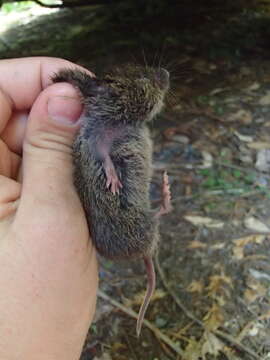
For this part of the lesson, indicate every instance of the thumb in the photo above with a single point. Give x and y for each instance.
(47, 149)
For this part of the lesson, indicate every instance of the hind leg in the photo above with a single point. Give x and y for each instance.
(166, 205)
(113, 181)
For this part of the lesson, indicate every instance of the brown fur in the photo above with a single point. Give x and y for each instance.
(117, 110)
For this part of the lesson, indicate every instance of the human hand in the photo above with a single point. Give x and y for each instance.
(48, 276)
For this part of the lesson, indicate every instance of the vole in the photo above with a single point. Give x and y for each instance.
(113, 162)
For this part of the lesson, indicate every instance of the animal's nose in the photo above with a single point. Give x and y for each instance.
(163, 78)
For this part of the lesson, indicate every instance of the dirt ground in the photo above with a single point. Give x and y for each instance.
(213, 138)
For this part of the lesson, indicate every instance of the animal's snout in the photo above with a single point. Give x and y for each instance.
(163, 77)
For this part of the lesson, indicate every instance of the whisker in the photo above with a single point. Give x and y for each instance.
(162, 54)
(144, 58)
(155, 57)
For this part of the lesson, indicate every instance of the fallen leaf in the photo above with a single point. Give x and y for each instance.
(195, 286)
(238, 253)
(254, 330)
(259, 275)
(256, 238)
(207, 160)
(250, 295)
(214, 318)
(195, 244)
(259, 145)
(244, 138)
(104, 356)
(138, 298)
(216, 284)
(253, 87)
(241, 115)
(263, 160)
(217, 91)
(205, 221)
(265, 100)
(238, 250)
(255, 290)
(265, 316)
(182, 139)
(254, 224)
(193, 350)
(212, 345)
(218, 246)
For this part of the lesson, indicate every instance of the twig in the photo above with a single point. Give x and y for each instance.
(150, 326)
(236, 343)
(191, 316)
(237, 192)
(240, 168)
(174, 296)
(130, 347)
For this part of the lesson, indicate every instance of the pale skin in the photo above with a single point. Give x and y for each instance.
(48, 276)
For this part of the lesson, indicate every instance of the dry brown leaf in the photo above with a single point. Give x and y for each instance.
(254, 224)
(259, 145)
(241, 115)
(256, 238)
(255, 290)
(238, 249)
(218, 246)
(244, 138)
(265, 100)
(212, 345)
(138, 298)
(195, 286)
(196, 244)
(265, 316)
(193, 350)
(214, 318)
(205, 221)
(217, 283)
(250, 295)
(238, 253)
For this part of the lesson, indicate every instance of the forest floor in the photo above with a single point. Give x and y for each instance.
(213, 138)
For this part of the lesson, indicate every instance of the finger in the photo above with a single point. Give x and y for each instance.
(23, 79)
(9, 162)
(14, 132)
(6, 110)
(47, 154)
(10, 191)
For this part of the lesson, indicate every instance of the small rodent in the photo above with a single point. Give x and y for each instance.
(113, 162)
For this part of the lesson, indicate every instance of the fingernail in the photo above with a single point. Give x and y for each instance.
(63, 109)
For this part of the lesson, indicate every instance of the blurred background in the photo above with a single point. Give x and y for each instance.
(213, 138)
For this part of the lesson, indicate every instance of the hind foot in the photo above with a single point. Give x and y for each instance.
(166, 205)
(113, 181)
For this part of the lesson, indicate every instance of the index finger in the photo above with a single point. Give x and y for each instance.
(21, 80)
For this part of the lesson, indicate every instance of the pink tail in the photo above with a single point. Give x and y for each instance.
(151, 284)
